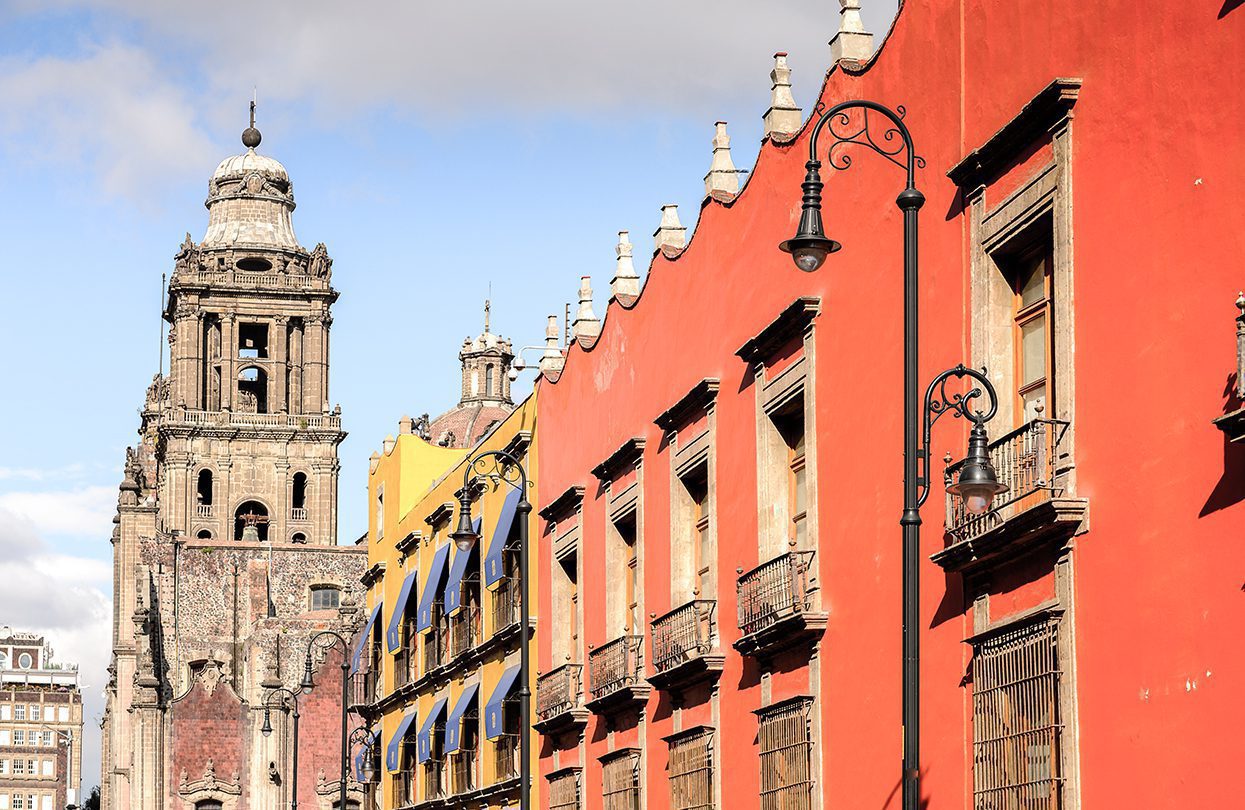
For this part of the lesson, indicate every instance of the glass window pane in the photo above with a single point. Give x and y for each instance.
(1032, 280)
(800, 483)
(1033, 350)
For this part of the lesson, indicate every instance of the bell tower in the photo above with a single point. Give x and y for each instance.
(249, 443)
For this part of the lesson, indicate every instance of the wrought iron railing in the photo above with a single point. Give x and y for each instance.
(559, 691)
(506, 603)
(298, 513)
(435, 642)
(1025, 460)
(203, 510)
(364, 685)
(404, 789)
(775, 590)
(434, 779)
(615, 665)
(463, 771)
(464, 631)
(506, 757)
(406, 661)
(685, 633)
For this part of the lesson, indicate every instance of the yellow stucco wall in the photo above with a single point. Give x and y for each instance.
(418, 479)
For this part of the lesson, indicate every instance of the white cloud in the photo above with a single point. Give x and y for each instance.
(85, 511)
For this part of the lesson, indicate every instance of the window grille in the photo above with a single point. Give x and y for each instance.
(691, 772)
(325, 597)
(787, 757)
(1016, 725)
(620, 778)
(564, 791)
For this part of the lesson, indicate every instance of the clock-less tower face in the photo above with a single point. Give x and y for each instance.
(246, 440)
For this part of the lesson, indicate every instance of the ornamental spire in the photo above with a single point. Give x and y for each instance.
(783, 118)
(670, 236)
(722, 181)
(250, 135)
(586, 325)
(625, 285)
(852, 43)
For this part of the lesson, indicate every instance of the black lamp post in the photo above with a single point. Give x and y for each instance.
(266, 729)
(362, 736)
(978, 483)
(309, 683)
(501, 466)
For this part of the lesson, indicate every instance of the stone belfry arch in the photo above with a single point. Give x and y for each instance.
(227, 517)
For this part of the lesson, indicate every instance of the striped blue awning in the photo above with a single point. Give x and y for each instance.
(431, 588)
(363, 638)
(454, 724)
(493, 568)
(424, 752)
(394, 749)
(454, 582)
(394, 636)
(492, 711)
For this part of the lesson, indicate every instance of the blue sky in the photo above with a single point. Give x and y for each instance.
(435, 149)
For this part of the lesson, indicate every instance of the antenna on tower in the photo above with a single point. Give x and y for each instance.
(160, 367)
(488, 303)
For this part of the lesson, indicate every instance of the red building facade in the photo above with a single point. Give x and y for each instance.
(721, 466)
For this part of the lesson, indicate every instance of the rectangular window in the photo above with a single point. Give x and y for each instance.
(6, 712)
(325, 597)
(789, 420)
(62, 714)
(380, 511)
(691, 772)
(19, 736)
(19, 711)
(1029, 273)
(1016, 720)
(36, 712)
(4, 766)
(567, 571)
(47, 767)
(624, 576)
(564, 791)
(620, 777)
(695, 485)
(787, 757)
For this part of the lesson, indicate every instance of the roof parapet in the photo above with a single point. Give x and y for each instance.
(722, 181)
(625, 286)
(670, 237)
(852, 43)
(783, 118)
(586, 326)
(551, 361)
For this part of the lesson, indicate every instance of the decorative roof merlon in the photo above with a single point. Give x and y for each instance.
(690, 405)
(790, 322)
(722, 181)
(1043, 113)
(564, 503)
(783, 118)
(586, 326)
(625, 286)
(630, 454)
(670, 237)
(852, 43)
(552, 360)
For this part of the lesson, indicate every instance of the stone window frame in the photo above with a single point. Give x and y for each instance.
(687, 455)
(810, 706)
(324, 585)
(690, 735)
(564, 524)
(620, 757)
(995, 228)
(623, 503)
(775, 390)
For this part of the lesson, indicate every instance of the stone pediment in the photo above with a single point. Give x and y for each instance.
(209, 787)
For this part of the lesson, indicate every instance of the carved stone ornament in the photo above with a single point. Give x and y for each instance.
(209, 787)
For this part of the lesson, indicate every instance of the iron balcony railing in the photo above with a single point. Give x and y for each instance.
(506, 604)
(404, 789)
(463, 771)
(434, 779)
(464, 631)
(559, 691)
(298, 513)
(364, 685)
(406, 661)
(203, 510)
(1024, 460)
(774, 591)
(683, 634)
(435, 642)
(615, 665)
(506, 757)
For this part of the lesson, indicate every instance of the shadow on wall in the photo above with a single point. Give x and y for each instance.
(1230, 6)
(1230, 489)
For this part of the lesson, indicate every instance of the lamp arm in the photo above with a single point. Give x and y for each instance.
(507, 466)
(894, 142)
(958, 404)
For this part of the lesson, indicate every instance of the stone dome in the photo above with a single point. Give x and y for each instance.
(249, 162)
(250, 200)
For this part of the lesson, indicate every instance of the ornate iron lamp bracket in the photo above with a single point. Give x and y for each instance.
(939, 402)
(890, 138)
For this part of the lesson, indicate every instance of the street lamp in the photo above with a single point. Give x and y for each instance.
(67, 736)
(978, 483)
(309, 683)
(500, 466)
(363, 736)
(266, 730)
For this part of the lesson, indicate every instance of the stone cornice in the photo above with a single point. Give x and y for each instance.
(690, 405)
(564, 503)
(630, 453)
(790, 322)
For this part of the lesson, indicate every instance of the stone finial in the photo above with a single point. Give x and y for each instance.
(389, 444)
(723, 178)
(406, 426)
(374, 462)
(552, 360)
(852, 43)
(586, 325)
(625, 285)
(783, 118)
(670, 237)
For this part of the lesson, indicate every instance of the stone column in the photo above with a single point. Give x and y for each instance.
(228, 358)
(224, 499)
(296, 368)
(198, 366)
(278, 528)
(279, 341)
(313, 365)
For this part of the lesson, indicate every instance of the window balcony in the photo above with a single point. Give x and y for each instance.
(506, 758)
(364, 688)
(463, 777)
(435, 643)
(616, 675)
(560, 700)
(776, 605)
(404, 789)
(685, 646)
(1035, 509)
(464, 631)
(203, 510)
(434, 779)
(298, 513)
(506, 606)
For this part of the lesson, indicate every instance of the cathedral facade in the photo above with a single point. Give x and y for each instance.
(226, 561)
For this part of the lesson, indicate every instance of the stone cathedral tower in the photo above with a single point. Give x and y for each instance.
(225, 548)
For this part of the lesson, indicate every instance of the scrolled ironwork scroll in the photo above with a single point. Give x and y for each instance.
(888, 137)
(939, 402)
(497, 467)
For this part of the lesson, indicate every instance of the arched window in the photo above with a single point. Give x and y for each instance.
(203, 489)
(207, 804)
(298, 498)
(488, 379)
(252, 390)
(298, 537)
(204, 534)
(251, 522)
(325, 597)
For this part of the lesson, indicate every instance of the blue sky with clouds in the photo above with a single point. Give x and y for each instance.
(436, 150)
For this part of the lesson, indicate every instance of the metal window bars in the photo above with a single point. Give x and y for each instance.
(564, 791)
(434, 779)
(775, 590)
(1016, 722)
(506, 603)
(615, 665)
(683, 634)
(464, 630)
(506, 757)
(786, 758)
(620, 782)
(691, 772)
(463, 771)
(559, 690)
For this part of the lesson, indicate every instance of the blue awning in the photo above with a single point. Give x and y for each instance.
(395, 743)
(454, 582)
(424, 752)
(365, 750)
(394, 636)
(493, 568)
(363, 638)
(431, 582)
(454, 725)
(492, 711)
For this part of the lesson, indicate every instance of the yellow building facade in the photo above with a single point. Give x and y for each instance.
(437, 664)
